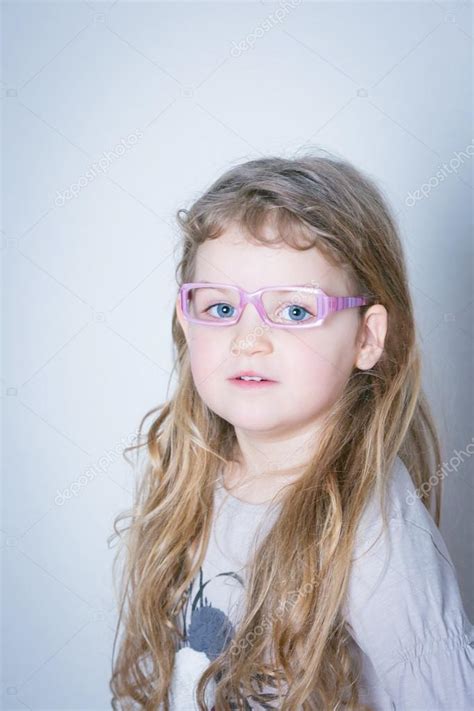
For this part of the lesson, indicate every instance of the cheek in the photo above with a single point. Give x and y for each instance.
(319, 369)
(210, 361)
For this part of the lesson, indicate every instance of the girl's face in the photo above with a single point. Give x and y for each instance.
(310, 367)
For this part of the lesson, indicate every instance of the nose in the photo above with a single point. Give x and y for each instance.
(250, 315)
(251, 333)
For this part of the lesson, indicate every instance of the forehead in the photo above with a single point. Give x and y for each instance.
(233, 259)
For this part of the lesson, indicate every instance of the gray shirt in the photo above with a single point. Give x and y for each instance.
(404, 606)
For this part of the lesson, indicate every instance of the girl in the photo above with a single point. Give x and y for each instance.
(282, 552)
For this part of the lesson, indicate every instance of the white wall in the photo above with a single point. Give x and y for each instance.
(89, 280)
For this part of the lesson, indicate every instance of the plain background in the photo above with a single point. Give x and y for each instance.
(89, 279)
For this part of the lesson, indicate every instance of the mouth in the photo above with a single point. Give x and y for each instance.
(250, 375)
(251, 383)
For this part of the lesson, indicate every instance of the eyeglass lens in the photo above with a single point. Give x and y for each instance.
(215, 304)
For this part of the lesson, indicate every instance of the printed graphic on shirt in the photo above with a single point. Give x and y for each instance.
(208, 631)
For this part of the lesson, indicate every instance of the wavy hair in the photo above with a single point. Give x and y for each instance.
(316, 200)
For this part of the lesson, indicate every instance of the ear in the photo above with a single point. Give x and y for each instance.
(180, 316)
(371, 336)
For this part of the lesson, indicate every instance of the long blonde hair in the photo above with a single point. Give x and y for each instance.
(382, 413)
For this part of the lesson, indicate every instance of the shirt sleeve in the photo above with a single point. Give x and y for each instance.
(406, 614)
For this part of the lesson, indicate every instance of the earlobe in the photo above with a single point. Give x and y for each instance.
(374, 330)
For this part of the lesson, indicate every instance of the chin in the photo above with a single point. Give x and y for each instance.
(250, 423)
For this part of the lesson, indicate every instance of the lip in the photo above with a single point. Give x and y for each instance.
(251, 373)
(252, 384)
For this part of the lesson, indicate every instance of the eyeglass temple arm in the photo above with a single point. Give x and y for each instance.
(337, 303)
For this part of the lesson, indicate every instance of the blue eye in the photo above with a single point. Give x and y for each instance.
(226, 306)
(298, 308)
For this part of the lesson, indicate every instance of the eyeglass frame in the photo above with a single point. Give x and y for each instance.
(329, 304)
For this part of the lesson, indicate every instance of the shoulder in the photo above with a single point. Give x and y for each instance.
(409, 521)
(412, 545)
(403, 605)
(404, 500)
(402, 584)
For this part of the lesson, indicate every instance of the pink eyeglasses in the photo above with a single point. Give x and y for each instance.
(211, 304)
